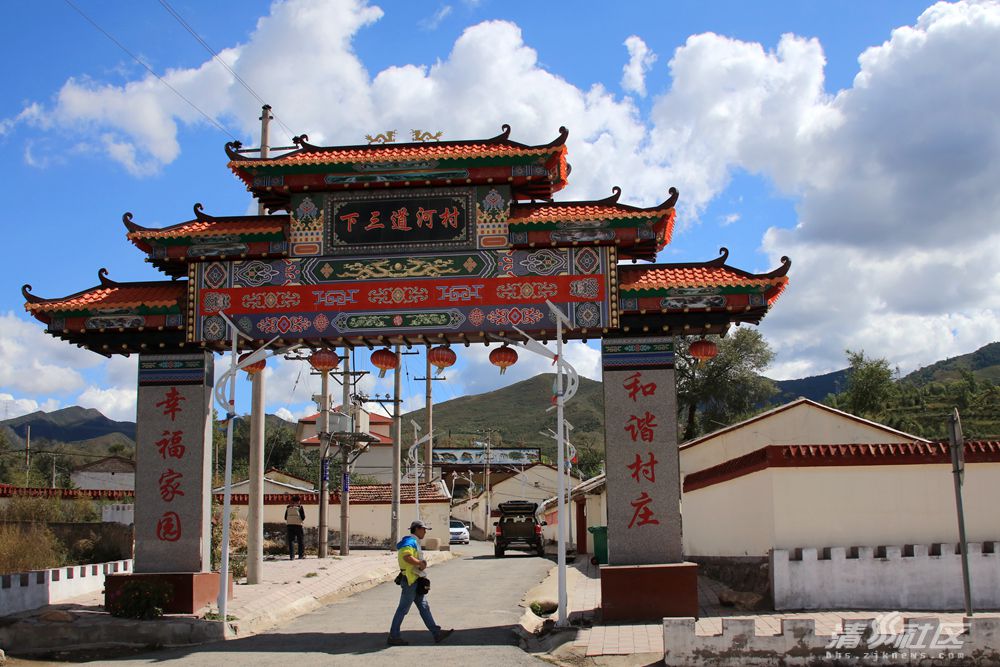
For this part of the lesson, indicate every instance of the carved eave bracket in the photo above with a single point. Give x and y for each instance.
(782, 270)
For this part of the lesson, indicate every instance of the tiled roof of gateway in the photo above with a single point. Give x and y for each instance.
(205, 225)
(709, 274)
(499, 146)
(110, 295)
(605, 209)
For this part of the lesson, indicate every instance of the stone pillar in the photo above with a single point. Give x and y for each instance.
(646, 577)
(640, 405)
(255, 507)
(173, 463)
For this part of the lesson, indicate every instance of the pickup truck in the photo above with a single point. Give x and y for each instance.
(518, 529)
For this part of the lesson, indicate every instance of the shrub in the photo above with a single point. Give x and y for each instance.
(32, 548)
(82, 550)
(80, 510)
(49, 510)
(24, 508)
(140, 598)
(237, 543)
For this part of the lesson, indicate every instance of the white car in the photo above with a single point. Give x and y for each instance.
(459, 532)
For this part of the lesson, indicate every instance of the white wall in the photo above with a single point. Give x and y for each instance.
(802, 424)
(788, 508)
(118, 513)
(31, 590)
(733, 518)
(117, 481)
(918, 581)
(880, 505)
(367, 520)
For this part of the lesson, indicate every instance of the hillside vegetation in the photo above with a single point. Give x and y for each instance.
(517, 415)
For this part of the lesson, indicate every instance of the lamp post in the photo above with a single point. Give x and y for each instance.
(228, 403)
(255, 508)
(567, 383)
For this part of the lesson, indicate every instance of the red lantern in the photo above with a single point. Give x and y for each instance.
(441, 357)
(503, 357)
(703, 350)
(385, 360)
(324, 360)
(254, 368)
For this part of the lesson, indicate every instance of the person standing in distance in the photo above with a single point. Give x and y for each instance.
(412, 566)
(294, 516)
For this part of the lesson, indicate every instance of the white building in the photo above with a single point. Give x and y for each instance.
(275, 481)
(376, 461)
(112, 473)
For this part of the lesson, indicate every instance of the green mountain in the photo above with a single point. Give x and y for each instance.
(67, 425)
(815, 387)
(984, 364)
(516, 416)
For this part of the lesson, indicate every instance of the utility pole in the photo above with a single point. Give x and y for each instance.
(324, 465)
(27, 454)
(345, 472)
(397, 451)
(957, 442)
(428, 402)
(489, 511)
(265, 119)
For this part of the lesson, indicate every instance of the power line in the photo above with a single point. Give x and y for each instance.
(150, 70)
(187, 26)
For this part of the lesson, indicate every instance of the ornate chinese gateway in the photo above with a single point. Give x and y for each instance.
(427, 243)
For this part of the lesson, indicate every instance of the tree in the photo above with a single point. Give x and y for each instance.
(871, 386)
(725, 389)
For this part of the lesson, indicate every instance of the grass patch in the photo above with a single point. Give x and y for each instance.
(34, 548)
(216, 616)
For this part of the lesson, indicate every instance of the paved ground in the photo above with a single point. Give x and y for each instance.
(641, 640)
(473, 593)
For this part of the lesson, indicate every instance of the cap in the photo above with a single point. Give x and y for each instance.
(418, 524)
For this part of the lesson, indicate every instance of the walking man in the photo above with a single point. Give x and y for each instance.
(414, 586)
(294, 516)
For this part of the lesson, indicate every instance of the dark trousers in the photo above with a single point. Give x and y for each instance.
(295, 533)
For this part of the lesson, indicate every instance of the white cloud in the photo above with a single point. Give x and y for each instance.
(11, 407)
(33, 362)
(640, 61)
(894, 177)
(117, 404)
(730, 219)
(432, 22)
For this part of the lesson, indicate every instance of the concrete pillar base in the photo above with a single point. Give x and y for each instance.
(649, 592)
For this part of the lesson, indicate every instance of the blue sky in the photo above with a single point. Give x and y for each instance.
(859, 138)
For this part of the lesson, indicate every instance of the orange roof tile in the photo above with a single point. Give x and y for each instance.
(499, 146)
(111, 295)
(395, 153)
(526, 213)
(249, 225)
(602, 209)
(664, 276)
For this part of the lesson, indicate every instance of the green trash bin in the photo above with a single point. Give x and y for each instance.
(600, 534)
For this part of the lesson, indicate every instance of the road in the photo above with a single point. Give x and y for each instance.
(476, 594)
